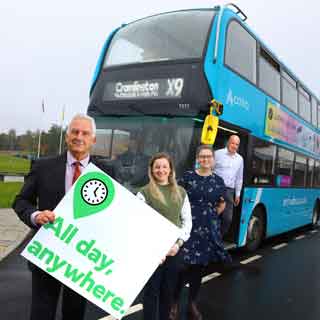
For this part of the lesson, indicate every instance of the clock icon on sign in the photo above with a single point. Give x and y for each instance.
(94, 192)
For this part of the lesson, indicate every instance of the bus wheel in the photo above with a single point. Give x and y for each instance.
(315, 215)
(256, 229)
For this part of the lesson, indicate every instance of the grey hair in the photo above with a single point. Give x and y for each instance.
(83, 116)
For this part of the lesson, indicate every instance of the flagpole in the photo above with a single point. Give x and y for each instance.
(61, 131)
(39, 141)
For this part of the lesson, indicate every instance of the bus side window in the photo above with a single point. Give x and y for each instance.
(310, 173)
(299, 172)
(269, 70)
(284, 167)
(263, 162)
(304, 104)
(240, 40)
(316, 179)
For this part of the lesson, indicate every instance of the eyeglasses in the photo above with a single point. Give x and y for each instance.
(205, 157)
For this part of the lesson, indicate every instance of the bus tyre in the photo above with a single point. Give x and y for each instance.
(256, 230)
(315, 215)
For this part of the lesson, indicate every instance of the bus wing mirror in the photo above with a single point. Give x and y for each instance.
(217, 107)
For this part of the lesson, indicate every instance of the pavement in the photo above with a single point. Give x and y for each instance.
(12, 232)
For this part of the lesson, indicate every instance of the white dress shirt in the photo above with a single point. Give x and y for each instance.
(70, 168)
(230, 168)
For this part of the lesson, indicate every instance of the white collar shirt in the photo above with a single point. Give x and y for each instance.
(70, 169)
(230, 168)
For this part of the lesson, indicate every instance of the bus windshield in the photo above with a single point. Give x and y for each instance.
(170, 36)
(126, 144)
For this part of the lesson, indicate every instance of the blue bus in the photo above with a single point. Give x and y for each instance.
(152, 89)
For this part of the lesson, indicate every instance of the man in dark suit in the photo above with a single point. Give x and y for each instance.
(46, 184)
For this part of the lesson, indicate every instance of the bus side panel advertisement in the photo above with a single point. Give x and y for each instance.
(280, 125)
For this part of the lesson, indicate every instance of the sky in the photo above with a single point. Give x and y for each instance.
(49, 49)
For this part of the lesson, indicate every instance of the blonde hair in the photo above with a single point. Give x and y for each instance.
(153, 186)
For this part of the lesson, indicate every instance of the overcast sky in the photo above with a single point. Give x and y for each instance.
(49, 49)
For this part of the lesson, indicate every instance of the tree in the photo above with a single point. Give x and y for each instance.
(12, 136)
(26, 142)
(4, 141)
(51, 140)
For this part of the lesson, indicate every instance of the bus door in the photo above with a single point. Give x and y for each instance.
(224, 132)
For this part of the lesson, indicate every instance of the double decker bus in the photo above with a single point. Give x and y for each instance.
(151, 92)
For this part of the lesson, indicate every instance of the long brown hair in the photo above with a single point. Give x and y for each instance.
(153, 186)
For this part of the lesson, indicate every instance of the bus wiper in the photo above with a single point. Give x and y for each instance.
(132, 107)
(155, 60)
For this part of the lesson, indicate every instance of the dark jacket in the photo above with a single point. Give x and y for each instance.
(44, 186)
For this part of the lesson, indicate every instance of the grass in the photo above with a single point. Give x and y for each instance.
(10, 164)
(8, 191)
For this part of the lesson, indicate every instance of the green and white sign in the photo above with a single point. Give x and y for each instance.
(104, 244)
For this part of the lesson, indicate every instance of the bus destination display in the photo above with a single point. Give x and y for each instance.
(144, 89)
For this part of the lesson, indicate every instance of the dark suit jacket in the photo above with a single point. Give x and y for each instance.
(44, 187)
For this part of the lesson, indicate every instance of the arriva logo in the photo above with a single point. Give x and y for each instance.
(237, 101)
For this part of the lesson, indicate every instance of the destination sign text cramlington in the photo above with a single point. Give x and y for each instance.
(142, 89)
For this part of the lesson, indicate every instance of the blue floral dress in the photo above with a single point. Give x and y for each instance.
(205, 243)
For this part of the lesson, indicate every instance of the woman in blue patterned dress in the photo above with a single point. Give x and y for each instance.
(206, 194)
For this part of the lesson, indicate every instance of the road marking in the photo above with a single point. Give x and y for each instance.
(229, 246)
(210, 277)
(279, 246)
(133, 309)
(300, 237)
(246, 261)
(139, 307)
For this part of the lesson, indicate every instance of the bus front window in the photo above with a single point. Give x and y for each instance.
(161, 37)
(127, 144)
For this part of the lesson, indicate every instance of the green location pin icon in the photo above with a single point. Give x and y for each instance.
(93, 193)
